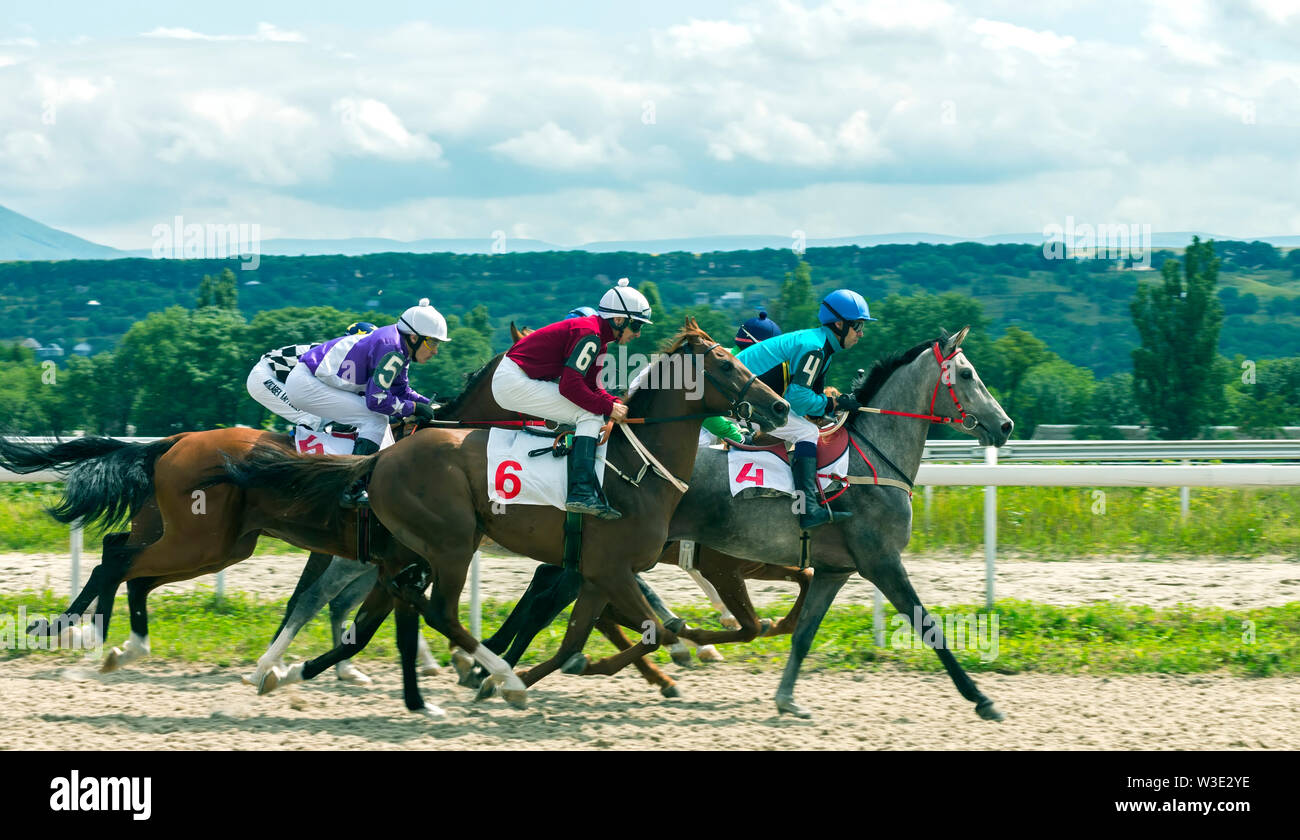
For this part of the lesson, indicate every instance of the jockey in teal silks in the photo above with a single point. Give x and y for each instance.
(802, 358)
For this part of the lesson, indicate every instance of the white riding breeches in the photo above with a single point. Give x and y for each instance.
(267, 390)
(796, 430)
(515, 390)
(310, 394)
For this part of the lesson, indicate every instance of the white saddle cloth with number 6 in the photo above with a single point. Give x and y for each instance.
(517, 478)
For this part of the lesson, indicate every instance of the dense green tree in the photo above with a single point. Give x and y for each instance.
(797, 306)
(221, 291)
(1178, 320)
(1053, 392)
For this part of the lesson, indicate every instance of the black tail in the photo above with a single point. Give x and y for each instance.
(308, 486)
(108, 480)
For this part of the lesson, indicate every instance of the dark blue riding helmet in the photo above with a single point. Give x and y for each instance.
(757, 329)
(361, 328)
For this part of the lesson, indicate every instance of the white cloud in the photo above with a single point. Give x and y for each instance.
(371, 127)
(265, 32)
(552, 147)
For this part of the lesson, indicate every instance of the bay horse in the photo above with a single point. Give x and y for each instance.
(430, 490)
(906, 386)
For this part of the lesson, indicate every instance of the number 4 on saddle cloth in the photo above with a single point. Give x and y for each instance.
(764, 471)
(330, 441)
(523, 471)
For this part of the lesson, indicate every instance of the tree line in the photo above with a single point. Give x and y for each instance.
(184, 368)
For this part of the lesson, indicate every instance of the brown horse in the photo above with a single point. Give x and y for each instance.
(431, 493)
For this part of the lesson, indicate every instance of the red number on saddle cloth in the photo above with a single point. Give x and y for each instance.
(504, 478)
(745, 475)
(311, 446)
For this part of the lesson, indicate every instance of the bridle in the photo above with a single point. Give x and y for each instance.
(739, 408)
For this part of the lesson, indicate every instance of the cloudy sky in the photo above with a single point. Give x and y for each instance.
(584, 120)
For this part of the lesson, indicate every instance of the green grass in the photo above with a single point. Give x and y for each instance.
(1106, 638)
(1056, 522)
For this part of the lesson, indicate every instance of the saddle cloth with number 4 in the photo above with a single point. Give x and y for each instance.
(517, 478)
(769, 471)
(329, 442)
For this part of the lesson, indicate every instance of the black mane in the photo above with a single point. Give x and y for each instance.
(865, 387)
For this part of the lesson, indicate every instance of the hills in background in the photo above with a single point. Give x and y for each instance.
(22, 238)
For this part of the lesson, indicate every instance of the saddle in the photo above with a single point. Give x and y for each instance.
(830, 447)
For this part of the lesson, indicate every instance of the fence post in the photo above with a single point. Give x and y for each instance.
(990, 528)
(878, 616)
(221, 584)
(1184, 498)
(929, 506)
(475, 602)
(75, 549)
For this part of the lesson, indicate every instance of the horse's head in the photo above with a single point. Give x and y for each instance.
(727, 387)
(963, 397)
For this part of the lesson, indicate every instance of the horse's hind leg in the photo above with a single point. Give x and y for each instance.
(408, 631)
(343, 605)
(137, 646)
(551, 590)
(374, 610)
(888, 574)
(821, 592)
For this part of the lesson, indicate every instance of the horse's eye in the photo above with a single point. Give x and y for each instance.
(728, 367)
(967, 374)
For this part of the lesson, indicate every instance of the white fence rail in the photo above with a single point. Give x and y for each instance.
(991, 475)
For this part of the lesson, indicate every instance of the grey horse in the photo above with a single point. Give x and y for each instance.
(932, 378)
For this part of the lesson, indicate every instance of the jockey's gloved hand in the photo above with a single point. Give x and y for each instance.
(423, 412)
(847, 402)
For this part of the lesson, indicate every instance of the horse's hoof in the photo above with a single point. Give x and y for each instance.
(486, 689)
(430, 712)
(575, 664)
(675, 625)
(709, 653)
(432, 669)
(730, 622)
(351, 674)
(671, 691)
(787, 706)
(681, 655)
(988, 711)
(270, 681)
(112, 661)
(463, 663)
(516, 697)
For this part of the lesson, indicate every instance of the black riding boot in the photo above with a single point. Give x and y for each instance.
(584, 491)
(805, 481)
(356, 495)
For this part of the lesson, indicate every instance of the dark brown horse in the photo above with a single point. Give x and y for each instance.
(430, 491)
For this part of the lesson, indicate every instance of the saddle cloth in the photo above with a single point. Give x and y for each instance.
(516, 478)
(330, 442)
(766, 470)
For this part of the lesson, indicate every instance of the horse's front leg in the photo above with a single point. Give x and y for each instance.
(821, 592)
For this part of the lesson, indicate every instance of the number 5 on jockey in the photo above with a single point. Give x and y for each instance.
(361, 379)
(551, 373)
(804, 355)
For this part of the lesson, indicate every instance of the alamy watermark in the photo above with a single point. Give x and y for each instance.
(968, 631)
(1103, 241)
(209, 242)
(62, 632)
(620, 369)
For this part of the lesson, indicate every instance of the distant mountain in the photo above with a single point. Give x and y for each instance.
(22, 238)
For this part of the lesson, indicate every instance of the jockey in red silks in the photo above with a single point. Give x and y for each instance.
(551, 373)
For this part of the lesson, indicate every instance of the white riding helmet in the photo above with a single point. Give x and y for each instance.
(623, 301)
(424, 321)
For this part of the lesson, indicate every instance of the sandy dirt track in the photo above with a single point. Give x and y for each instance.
(1267, 581)
(158, 706)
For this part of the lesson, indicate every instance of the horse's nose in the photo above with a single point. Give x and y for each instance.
(1006, 427)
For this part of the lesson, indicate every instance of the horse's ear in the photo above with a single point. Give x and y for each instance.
(515, 334)
(944, 335)
(953, 342)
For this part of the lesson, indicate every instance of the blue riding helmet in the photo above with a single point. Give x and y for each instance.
(361, 328)
(756, 329)
(580, 312)
(844, 305)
